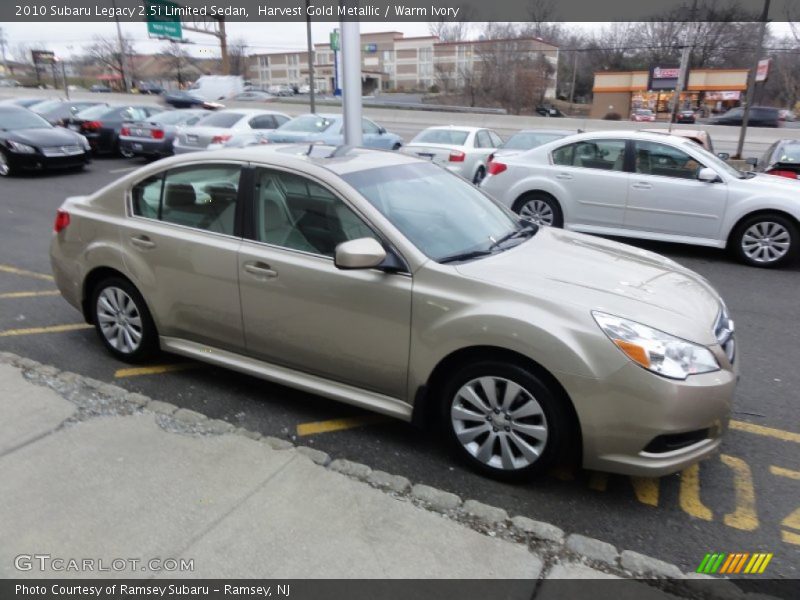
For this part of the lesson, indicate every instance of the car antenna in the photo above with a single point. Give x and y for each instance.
(340, 151)
(310, 149)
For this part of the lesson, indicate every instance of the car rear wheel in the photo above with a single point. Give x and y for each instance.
(479, 175)
(766, 240)
(124, 151)
(502, 420)
(540, 208)
(5, 166)
(122, 320)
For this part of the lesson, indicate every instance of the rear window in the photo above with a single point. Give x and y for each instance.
(528, 140)
(442, 136)
(222, 120)
(788, 153)
(96, 112)
(172, 117)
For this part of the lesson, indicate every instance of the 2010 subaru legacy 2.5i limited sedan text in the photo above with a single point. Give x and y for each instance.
(384, 281)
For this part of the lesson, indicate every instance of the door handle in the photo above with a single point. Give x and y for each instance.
(563, 176)
(260, 269)
(143, 242)
(642, 186)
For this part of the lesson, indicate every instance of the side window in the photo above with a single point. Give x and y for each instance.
(368, 126)
(482, 139)
(296, 213)
(653, 158)
(203, 197)
(280, 120)
(263, 122)
(606, 155)
(564, 155)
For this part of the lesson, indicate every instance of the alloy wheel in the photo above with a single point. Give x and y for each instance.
(499, 423)
(766, 242)
(120, 320)
(4, 168)
(538, 211)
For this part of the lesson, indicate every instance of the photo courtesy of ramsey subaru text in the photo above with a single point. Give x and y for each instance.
(385, 281)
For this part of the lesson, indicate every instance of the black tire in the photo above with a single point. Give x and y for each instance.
(148, 343)
(397, 146)
(745, 240)
(554, 416)
(124, 152)
(6, 169)
(479, 175)
(557, 216)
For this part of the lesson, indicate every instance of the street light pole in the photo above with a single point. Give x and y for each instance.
(310, 60)
(121, 48)
(351, 80)
(751, 80)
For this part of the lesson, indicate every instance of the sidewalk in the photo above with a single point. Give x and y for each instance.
(89, 470)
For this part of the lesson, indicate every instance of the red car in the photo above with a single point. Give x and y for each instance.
(643, 114)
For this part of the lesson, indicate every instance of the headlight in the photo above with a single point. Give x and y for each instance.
(655, 350)
(21, 148)
(85, 143)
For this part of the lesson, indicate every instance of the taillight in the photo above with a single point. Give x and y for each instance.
(219, 139)
(457, 156)
(62, 220)
(125, 131)
(91, 125)
(495, 168)
(158, 134)
(780, 173)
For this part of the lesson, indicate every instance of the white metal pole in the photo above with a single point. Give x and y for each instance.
(351, 81)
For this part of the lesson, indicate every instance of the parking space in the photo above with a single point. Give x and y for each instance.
(743, 499)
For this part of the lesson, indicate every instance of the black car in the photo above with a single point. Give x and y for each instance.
(760, 116)
(153, 137)
(102, 124)
(782, 158)
(685, 116)
(29, 142)
(184, 99)
(58, 111)
(147, 87)
(549, 111)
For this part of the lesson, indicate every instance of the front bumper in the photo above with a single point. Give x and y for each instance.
(39, 162)
(625, 413)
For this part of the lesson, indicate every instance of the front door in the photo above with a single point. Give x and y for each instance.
(302, 312)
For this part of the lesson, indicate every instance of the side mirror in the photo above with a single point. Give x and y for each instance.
(723, 155)
(708, 175)
(381, 130)
(363, 253)
(753, 162)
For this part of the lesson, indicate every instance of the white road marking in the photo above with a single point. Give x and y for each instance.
(123, 170)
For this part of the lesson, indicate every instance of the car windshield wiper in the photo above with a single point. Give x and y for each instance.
(527, 229)
(464, 256)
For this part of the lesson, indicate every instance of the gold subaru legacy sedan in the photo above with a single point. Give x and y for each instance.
(384, 281)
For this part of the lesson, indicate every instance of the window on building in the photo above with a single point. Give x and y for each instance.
(388, 56)
(426, 54)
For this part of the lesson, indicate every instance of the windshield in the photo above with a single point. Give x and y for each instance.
(440, 213)
(788, 153)
(94, 112)
(528, 140)
(442, 136)
(307, 124)
(221, 120)
(21, 119)
(47, 105)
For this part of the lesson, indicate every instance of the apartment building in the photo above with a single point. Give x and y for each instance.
(391, 61)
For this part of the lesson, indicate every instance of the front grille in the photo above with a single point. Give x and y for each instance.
(62, 150)
(675, 441)
(723, 331)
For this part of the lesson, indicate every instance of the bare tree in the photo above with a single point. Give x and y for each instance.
(452, 31)
(105, 52)
(237, 56)
(177, 62)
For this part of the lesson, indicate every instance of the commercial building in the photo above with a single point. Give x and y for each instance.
(621, 92)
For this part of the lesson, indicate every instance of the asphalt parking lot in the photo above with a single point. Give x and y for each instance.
(747, 499)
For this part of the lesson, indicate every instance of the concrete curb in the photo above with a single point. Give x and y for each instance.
(95, 398)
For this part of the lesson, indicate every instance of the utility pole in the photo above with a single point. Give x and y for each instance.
(751, 80)
(223, 47)
(3, 49)
(310, 61)
(574, 74)
(351, 80)
(121, 48)
(682, 76)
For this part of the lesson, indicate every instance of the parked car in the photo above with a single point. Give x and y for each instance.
(221, 126)
(153, 137)
(253, 96)
(148, 87)
(329, 129)
(643, 115)
(99, 88)
(786, 115)
(527, 139)
(650, 186)
(462, 150)
(549, 111)
(685, 116)
(760, 116)
(383, 281)
(58, 111)
(187, 99)
(698, 136)
(782, 159)
(102, 125)
(280, 90)
(29, 142)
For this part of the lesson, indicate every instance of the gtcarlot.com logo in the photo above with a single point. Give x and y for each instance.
(46, 562)
(735, 563)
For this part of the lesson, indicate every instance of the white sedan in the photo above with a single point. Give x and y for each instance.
(219, 127)
(462, 150)
(651, 186)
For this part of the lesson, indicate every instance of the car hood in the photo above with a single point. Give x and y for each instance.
(598, 274)
(772, 183)
(56, 136)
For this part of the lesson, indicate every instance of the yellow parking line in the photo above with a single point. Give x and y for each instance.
(780, 471)
(154, 370)
(51, 329)
(744, 516)
(646, 489)
(304, 429)
(29, 294)
(16, 271)
(786, 436)
(689, 494)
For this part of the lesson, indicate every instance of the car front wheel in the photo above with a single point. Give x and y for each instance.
(479, 175)
(766, 240)
(6, 169)
(122, 320)
(502, 420)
